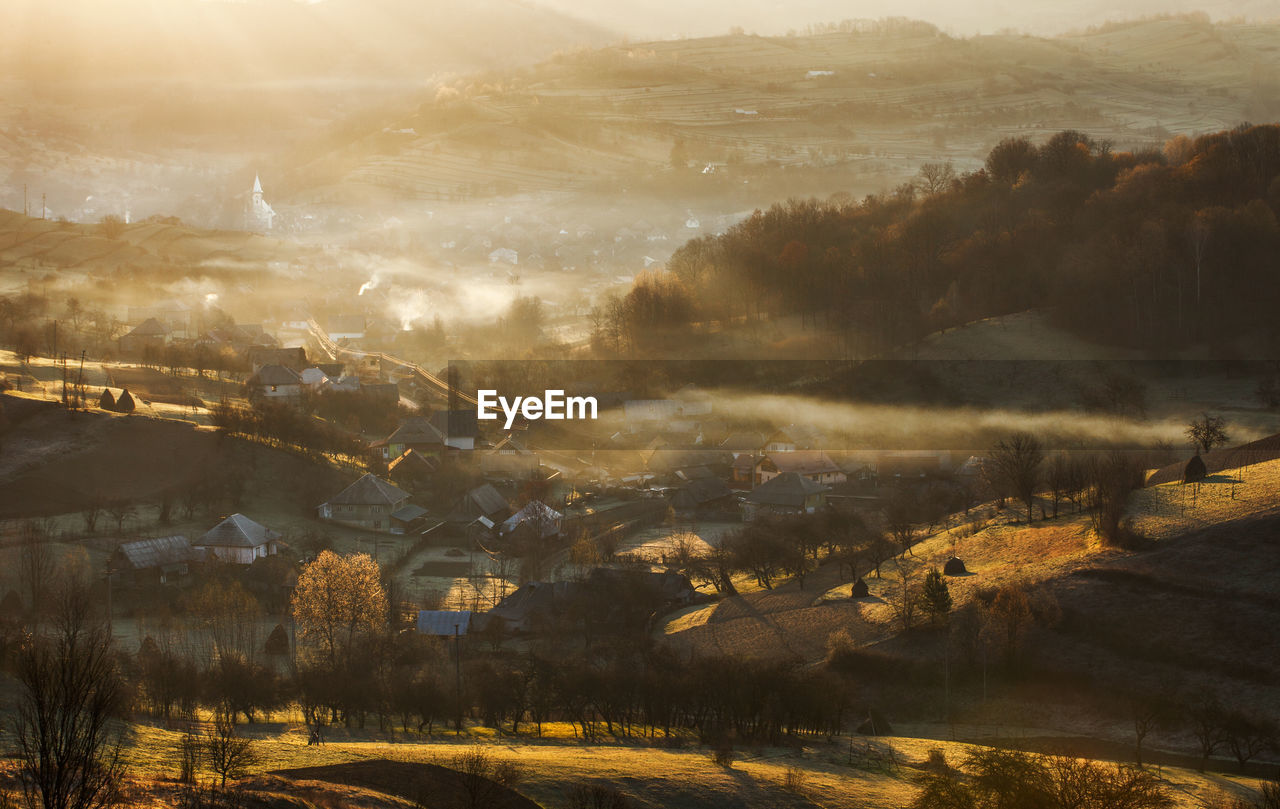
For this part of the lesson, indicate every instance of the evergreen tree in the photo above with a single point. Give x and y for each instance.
(935, 598)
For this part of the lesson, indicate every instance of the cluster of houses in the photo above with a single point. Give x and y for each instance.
(286, 374)
(673, 450)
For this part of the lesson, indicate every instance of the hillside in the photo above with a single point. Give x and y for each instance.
(59, 464)
(1041, 17)
(1194, 607)
(848, 110)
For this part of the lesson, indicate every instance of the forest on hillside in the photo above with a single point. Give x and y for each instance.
(1158, 250)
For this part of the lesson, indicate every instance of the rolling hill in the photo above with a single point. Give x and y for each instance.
(850, 109)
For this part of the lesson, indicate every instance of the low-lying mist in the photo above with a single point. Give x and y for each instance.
(882, 426)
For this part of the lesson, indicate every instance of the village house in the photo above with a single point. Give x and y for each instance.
(166, 560)
(416, 434)
(535, 518)
(459, 428)
(149, 334)
(313, 378)
(815, 465)
(701, 495)
(238, 339)
(413, 470)
(275, 382)
(295, 359)
(239, 540)
(907, 464)
(484, 505)
(444, 623)
(174, 315)
(787, 493)
(688, 463)
(510, 459)
(408, 519)
(780, 441)
(367, 503)
(539, 606)
(743, 442)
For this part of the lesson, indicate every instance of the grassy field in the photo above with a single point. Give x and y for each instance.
(841, 773)
(1172, 509)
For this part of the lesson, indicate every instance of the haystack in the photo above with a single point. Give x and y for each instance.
(1195, 470)
(125, 403)
(954, 567)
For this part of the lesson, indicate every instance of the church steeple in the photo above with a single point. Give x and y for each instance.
(258, 213)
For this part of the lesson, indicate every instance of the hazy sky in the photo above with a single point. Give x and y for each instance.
(660, 18)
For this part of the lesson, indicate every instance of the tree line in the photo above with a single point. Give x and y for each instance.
(1156, 249)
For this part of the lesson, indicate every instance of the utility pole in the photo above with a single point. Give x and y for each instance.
(26, 207)
(457, 682)
(109, 627)
(44, 208)
(80, 397)
(64, 380)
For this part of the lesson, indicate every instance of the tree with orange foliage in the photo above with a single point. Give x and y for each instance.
(338, 599)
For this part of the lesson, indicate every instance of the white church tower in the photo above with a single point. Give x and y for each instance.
(260, 216)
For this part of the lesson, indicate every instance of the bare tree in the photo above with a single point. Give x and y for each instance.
(91, 512)
(1205, 717)
(597, 796)
(1207, 432)
(1247, 736)
(68, 749)
(905, 595)
(120, 510)
(1149, 708)
(229, 754)
(936, 177)
(1058, 478)
(901, 516)
(189, 755)
(1017, 461)
(483, 779)
(36, 567)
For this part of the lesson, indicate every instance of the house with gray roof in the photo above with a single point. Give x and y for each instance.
(536, 518)
(443, 623)
(367, 503)
(510, 459)
(275, 382)
(413, 470)
(481, 503)
(239, 540)
(149, 334)
(415, 433)
(788, 493)
(164, 559)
